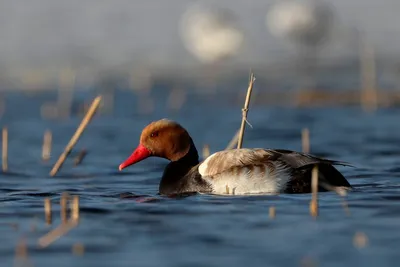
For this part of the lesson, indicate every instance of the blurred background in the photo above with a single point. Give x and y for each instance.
(288, 44)
(329, 69)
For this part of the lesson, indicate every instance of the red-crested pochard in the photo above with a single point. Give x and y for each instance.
(239, 171)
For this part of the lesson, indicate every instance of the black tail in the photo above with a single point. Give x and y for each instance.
(329, 178)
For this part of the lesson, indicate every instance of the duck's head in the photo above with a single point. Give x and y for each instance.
(164, 138)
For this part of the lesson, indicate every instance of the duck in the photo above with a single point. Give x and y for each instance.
(241, 171)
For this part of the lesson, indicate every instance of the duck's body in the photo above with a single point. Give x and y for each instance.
(249, 171)
(237, 171)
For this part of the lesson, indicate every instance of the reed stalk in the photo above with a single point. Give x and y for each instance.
(57, 233)
(5, 150)
(46, 151)
(82, 154)
(206, 151)
(74, 139)
(234, 141)
(75, 208)
(272, 212)
(314, 189)
(47, 210)
(305, 140)
(63, 207)
(245, 110)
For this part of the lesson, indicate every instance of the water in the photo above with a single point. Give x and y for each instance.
(118, 229)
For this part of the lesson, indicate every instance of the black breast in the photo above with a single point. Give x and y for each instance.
(180, 179)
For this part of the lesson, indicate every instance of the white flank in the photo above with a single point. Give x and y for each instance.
(248, 181)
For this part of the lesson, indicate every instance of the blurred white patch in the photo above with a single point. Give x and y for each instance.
(306, 22)
(210, 34)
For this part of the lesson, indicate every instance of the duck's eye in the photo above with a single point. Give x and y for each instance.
(154, 134)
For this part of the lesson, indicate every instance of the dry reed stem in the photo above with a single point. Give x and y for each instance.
(369, 94)
(5, 150)
(341, 191)
(234, 141)
(75, 208)
(47, 210)
(66, 225)
(206, 151)
(21, 255)
(21, 250)
(305, 140)
(346, 207)
(314, 189)
(56, 233)
(46, 145)
(85, 121)
(360, 240)
(227, 189)
(78, 249)
(272, 212)
(78, 160)
(63, 209)
(245, 110)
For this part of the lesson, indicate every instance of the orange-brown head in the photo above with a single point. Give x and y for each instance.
(164, 138)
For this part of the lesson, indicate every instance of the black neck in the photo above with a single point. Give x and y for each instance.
(191, 158)
(176, 172)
